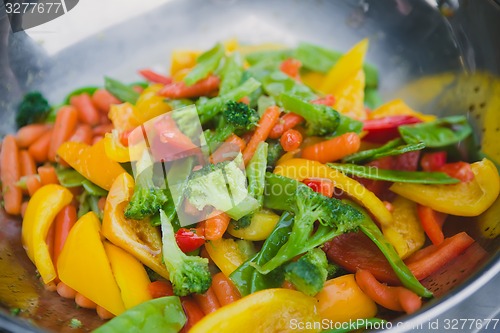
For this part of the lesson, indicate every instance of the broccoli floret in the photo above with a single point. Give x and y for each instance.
(334, 217)
(223, 186)
(320, 119)
(34, 108)
(188, 274)
(147, 198)
(236, 117)
(308, 274)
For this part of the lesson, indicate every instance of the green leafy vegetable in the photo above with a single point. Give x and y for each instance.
(34, 108)
(206, 63)
(438, 133)
(163, 314)
(391, 148)
(123, 92)
(417, 177)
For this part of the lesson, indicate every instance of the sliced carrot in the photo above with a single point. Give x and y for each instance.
(28, 134)
(39, 150)
(64, 127)
(83, 134)
(229, 149)
(65, 291)
(333, 149)
(33, 183)
(87, 112)
(64, 221)
(392, 298)
(11, 172)
(216, 225)
(266, 123)
(160, 289)
(208, 301)
(84, 302)
(286, 122)
(103, 99)
(224, 289)
(103, 129)
(201, 88)
(47, 175)
(27, 163)
(432, 223)
(193, 313)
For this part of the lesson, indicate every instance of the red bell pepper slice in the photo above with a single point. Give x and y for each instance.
(203, 87)
(321, 186)
(291, 67)
(433, 161)
(188, 240)
(327, 100)
(459, 170)
(155, 77)
(381, 130)
(432, 223)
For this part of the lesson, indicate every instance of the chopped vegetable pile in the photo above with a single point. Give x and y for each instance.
(249, 189)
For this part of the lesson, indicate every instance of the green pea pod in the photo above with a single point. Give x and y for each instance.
(123, 92)
(246, 278)
(263, 103)
(359, 324)
(163, 314)
(372, 98)
(274, 55)
(347, 125)
(84, 90)
(256, 173)
(279, 192)
(278, 83)
(93, 189)
(69, 177)
(415, 177)
(391, 148)
(206, 63)
(274, 152)
(438, 133)
(231, 74)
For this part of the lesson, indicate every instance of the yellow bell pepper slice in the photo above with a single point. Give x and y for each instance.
(350, 96)
(123, 116)
(84, 266)
(40, 213)
(342, 300)
(462, 199)
(130, 275)
(398, 108)
(261, 226)
(226, 254)
(149, 105)
(344, 69)
(313, 79)
(114, 149)
(270, 310)
(406, 233)
(139, 238)
(183, 59)
(91, 162)
(300, 169)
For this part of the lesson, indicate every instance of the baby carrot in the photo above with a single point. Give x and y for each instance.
(103, 129)
(27, 163)
(84, 302)
(47, 175)
(103, 313)
(87, 113)
(63, 223)
(286, 122)
(266, 123)
(193, 313)
(160, 289)
(40, 148)
(102, 99)
(64, 127)
(24, 205)
(155, 77)
(83, 134)
(224, 289)
(229, 149)
(28, 134)
(333, 149)
(291, 140)
(208, 301)
(65, 291)
(33, 183)
(11, 172)
(216, 225)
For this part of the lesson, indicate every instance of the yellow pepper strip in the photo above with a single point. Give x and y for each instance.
(350, 96)
(130, 275)
(406, 234)
(344, 69)
(398, 108)
(40, 213)
(489, 221)
(123, 116)
(84, 266)
(139, 238)
(300, 169)
(91, 162)
(114, 149)
(149, 105)
(226, 254)
(261, 226)
(462, 199)
(342, 300)
(183, 59)
(231, 44)
(270, 310)
(313, 79)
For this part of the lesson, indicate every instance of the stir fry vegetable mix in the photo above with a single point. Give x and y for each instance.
(246, 191)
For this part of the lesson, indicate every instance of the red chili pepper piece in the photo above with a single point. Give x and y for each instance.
(155, 77)
(384, 129)
(188, 240)
(320, 185)
(291, 67)
(327, 100)
(458, 170)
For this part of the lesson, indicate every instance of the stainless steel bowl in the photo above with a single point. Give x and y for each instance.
(441, 64)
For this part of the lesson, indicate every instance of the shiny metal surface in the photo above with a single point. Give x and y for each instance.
(434, 62)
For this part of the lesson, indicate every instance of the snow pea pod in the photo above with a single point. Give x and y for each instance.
(231, 74)
(122, 91)
(206, 63)
(391, 148)
(278, 83)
